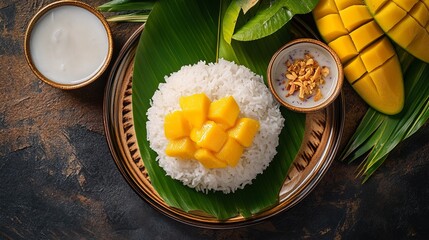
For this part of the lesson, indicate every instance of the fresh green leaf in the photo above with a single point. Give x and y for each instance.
(231, 15)
(230, 20)
(183, 32)
(271, 18)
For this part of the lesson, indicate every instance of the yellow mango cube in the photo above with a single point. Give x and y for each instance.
(344, 47)
(195, 108)
(208, 160)
(230, 152)
(406, 31)
(224, 111)
(176, 126)
(420, 13)
(321, 10)
(407, 5)
(343, 4)
(377, 54)
(375, 5)
(365, 35)
(354, 69)
(419, 45)
(355, 16)
(244, 131)
(183, 148)
(210, 136)
(331, 27)
(389, 16)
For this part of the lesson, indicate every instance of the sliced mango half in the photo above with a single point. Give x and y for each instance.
(405, 22)
(365, 52)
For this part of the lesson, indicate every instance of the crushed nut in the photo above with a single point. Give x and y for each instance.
(305, 76)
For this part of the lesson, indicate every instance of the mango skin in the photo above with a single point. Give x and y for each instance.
(365, 52)
(405, 22)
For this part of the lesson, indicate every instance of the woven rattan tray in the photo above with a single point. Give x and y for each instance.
(320, 144)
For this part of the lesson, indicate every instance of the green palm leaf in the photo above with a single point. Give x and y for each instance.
(132, 10)
(126, 5)
(184, 32)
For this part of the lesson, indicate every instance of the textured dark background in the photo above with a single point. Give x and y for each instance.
(59, 181)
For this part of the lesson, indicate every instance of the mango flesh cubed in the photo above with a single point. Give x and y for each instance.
(208, 160)
(210, 136)
(195, 108)
(426, 2)
(182, 148)
(377, 54)
(331, 27)
(343, 4)
(354, 69)
(230, 152)
(407, 5)
(224, 111)
(419, 47)
(389, 16)
(244, 131)
(406, 28)
(354, 16)
(324, 8)
(406, 31)
(344, 48)
(176, 126)
(375, 5)
(365, 35)
(392, 88)
(383, 88)
(420, 13)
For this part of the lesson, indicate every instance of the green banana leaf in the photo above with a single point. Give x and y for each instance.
(183, 32)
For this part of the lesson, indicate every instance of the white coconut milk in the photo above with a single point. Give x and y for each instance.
(69, 44)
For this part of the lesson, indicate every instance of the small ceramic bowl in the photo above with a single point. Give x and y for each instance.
(325, 57)
(68, 44)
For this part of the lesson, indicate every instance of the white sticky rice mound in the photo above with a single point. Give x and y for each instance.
(217, 80)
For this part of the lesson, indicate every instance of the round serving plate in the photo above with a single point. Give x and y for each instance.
(322, 136)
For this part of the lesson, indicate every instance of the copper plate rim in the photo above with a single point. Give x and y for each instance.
(118, 124)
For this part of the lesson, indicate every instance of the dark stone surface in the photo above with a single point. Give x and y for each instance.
(59, 181)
